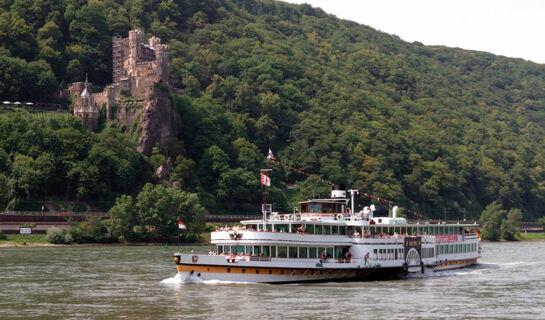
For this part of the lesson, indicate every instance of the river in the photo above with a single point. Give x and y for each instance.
(140, 283)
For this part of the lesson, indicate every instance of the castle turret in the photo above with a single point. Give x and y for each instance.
(85, 108)
(154, 41)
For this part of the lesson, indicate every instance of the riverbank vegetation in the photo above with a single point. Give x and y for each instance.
(498, 223)
(442, 131)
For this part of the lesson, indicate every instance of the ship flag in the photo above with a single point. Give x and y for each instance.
(477, 232)
(265, 180)
(270, 156)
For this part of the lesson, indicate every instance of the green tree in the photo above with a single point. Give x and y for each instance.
(510, 227)
(153, 215)
(491, 221)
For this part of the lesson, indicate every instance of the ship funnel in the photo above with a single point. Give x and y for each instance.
(338, 191)
(394, 210)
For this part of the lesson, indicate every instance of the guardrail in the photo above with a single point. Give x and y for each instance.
(54, 214)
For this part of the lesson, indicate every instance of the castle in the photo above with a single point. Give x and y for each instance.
(137, 66)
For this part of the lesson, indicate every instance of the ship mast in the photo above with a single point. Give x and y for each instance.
(265, 182)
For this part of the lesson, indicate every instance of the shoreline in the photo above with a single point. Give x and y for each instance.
(136, 244)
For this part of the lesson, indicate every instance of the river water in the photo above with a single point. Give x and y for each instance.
(140, 283)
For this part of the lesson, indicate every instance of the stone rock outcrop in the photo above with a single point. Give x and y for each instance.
(159, 121)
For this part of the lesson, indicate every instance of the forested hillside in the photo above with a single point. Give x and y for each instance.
(443, 131)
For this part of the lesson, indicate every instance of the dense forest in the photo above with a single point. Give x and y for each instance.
(442, 131)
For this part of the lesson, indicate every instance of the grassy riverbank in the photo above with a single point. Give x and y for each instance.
(24, 239)
(533, 236)
(40, 240)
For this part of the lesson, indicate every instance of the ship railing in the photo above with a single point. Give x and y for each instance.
(252, 258)
(284, 216)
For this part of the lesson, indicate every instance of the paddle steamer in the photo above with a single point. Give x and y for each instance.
(325, 240)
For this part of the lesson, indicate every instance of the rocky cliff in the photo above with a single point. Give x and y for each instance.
(159, 121)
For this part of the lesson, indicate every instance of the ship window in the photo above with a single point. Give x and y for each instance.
(256, 271)
(220, 249)
(342, 230)
(228, 269)
(273, 251)
(327, 230)
(243, 270)
(270, 271)
(282, 252)
(266, 250)
(249, 250)
(312, 253)
(330, 252)
(326, 208)
(309, 228)
(227, 249)
(293, 252)
(315, 208)
(269, 227)
(303, 252)
(257, 250)
(318, 229)
(334, 230)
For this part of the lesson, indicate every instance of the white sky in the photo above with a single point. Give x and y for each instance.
(513, 28)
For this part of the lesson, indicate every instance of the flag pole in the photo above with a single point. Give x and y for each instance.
(178, 238)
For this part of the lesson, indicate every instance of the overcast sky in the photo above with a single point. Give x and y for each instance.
(513, 28)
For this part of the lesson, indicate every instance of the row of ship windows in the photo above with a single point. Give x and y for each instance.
(456, 248)
(316, 252)
(343, 230)
(282, 251)
(397, 253)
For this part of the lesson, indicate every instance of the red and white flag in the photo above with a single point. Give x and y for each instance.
(265, 180)
(270, 156)
(181, 225)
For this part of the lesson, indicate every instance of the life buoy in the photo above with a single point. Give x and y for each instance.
(340, 216)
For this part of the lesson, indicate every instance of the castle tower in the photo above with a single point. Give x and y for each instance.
(161, 59)
(135, 39)
(85, 108)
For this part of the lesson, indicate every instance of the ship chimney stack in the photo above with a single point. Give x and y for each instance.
(338, 191)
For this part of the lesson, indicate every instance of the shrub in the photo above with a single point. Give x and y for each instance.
(3, 236)
(56, 235)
